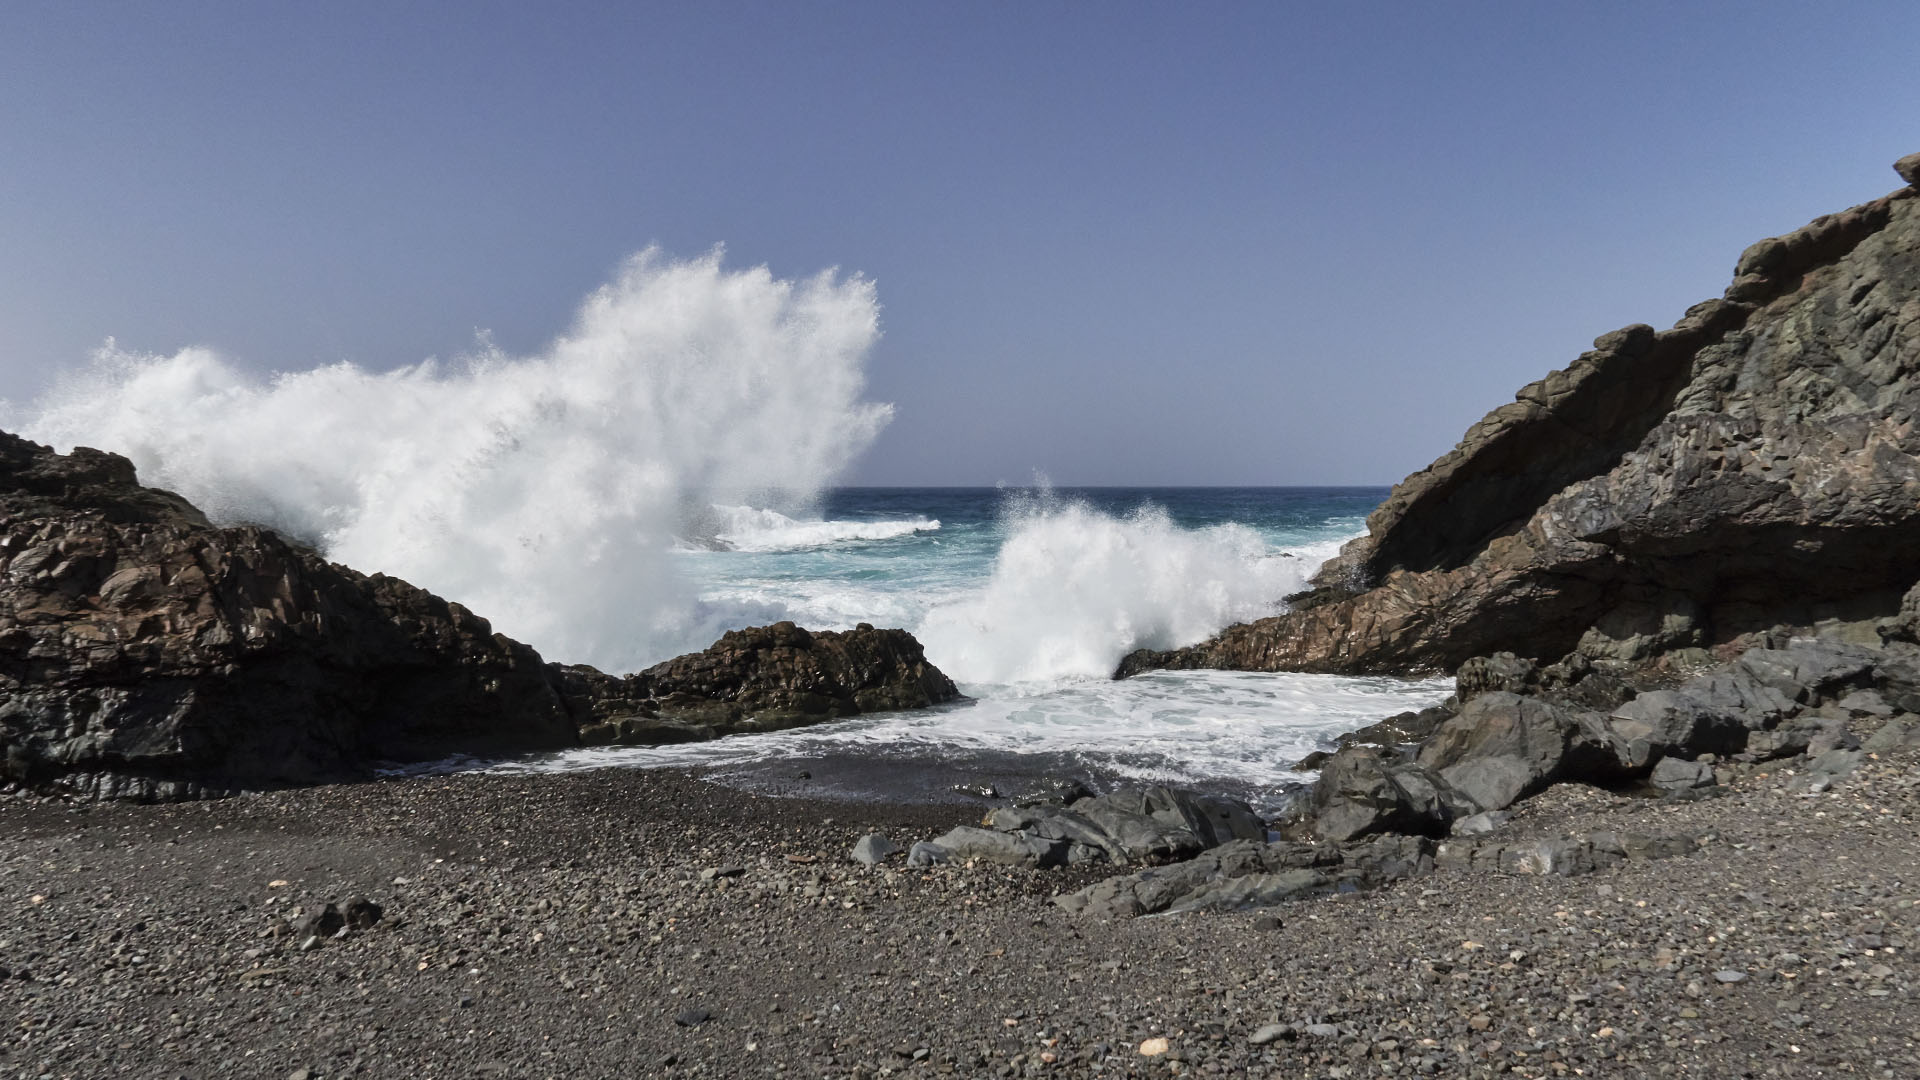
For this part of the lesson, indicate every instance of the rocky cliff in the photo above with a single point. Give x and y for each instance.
(146, 653)
(1757, 464)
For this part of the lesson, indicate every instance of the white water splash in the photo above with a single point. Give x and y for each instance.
(1073, 590)
(545, 491)
(747, 528)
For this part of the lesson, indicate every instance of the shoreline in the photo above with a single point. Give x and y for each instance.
(554, 925)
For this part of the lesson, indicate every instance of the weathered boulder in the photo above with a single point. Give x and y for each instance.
(1362, 791)
(763, 678)
(1501, 671)
(1756, 465)
(1673, 722)
(1153, 824)
(1811, 671)
(1679, 774)
(147, 654)
(1503, 746)
(1247, 873)
(1002, 848)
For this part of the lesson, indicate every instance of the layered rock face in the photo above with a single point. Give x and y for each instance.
(145, 653)
(1757, 464)
(764, 678)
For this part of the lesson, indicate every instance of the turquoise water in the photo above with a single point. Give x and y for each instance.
(661, 473)
(1028, 598)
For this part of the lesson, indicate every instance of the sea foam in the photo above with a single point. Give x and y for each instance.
(748, 528)
(543, 491)
(1073, 590)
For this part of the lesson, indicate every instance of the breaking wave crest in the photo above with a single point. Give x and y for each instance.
(542, 491)
(1073, 590)
(747, 528)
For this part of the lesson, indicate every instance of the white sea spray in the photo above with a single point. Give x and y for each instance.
(1074, 589)
(542, 491)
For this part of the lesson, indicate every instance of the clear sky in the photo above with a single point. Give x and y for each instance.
(1115, 243)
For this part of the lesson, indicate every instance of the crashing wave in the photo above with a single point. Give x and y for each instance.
(544, 491)
(745, 528)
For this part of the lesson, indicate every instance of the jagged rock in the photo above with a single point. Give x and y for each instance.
(1247, 873)
(1810, 671)
(1155, 824)
(323, 922)
(1503, 746)
(1360, 792)
(1002, 848)
(872, 849)
(1755, 465)
(361, 913)
(1400, 728)
(1909, 169)
(1501, 671)
(1822, 771)
(1790, 738)
(1678, 774)
(1664, 722)
(924, 854)
(1831, 736)
(147, 654)
(1904, 625)
(1492, 783)
(764, 678)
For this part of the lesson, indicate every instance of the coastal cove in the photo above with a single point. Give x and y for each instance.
(1593, 748)
(1028, 598)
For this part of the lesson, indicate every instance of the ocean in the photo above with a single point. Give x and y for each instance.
(664, 471)
(1028, 598)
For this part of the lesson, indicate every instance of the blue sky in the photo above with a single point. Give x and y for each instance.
(1115, 243)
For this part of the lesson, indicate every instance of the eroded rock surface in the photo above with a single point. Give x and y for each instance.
(1757, 464)
(146, 653)
(763, 678)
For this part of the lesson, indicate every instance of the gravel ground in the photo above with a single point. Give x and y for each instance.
(626, 924)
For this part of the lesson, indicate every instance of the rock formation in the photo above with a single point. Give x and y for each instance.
(760, 679)
(145, 653)
(1377, 815)
(1757, 464)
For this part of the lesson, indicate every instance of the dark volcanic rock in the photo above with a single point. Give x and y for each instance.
(145, 653)
(764, 678)
(1756, 465)
(1361, 792)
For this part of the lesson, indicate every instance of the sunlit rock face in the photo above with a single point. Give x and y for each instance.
(1756, 465)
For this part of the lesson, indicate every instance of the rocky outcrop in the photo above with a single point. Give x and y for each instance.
(760, 679)
(1501, 747)
(1247, 874)
(1377, 815)
(1131, 825)
(1757, 464)
(145, 653)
